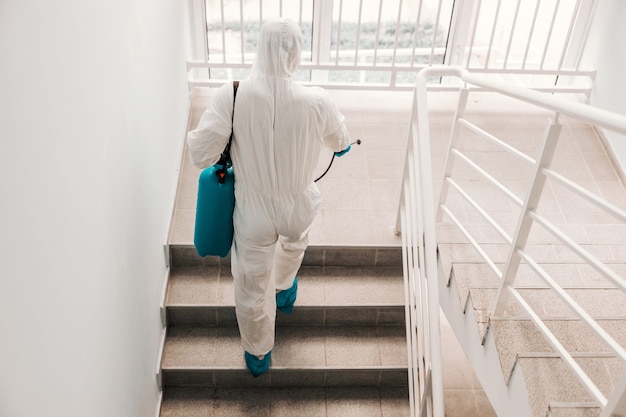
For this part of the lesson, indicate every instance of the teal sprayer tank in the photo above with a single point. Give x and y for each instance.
(213, 234)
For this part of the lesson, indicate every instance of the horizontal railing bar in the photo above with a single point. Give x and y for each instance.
(472, 241)
(313, 66)
(555, 318)
(515, 199)
(403, 66)
(581, 111)
(585, 112)
(347, 53)
(551, 338)
(585, 355)
(380, 87)
(480, 210)
(603, 334)
(586, 194)
(329, 86)
(578, 250)
(497, 141)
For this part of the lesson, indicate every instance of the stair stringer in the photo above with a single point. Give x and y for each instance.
(510, 400)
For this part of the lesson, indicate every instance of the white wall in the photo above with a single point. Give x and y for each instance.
(608, 52)
(93, 108)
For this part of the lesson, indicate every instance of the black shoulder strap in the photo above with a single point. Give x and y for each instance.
(232, 116)
(225, 157)
(235, 87)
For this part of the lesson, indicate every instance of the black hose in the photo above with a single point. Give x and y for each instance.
(358, 142)
(329, 165)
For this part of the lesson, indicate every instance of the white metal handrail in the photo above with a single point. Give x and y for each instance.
(416, 218)
(419, 146)
(389, 41)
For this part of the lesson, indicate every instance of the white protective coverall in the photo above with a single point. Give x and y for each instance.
(279, 129)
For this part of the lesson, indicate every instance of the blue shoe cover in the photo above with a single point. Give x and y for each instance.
(286, 298)
(257, 366)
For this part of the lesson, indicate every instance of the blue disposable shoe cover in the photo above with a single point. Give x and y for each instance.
(257, 366)
(286, 298)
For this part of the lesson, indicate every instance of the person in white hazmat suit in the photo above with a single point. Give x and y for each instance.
(279, 128)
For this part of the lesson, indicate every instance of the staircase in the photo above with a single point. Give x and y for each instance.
(521, 371)
(341, 352)
(521, 366)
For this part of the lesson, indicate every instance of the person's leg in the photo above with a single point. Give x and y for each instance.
(252, 258)
(255, 303)
(287, 262)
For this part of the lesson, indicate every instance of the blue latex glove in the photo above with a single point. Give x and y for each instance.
(345, 151)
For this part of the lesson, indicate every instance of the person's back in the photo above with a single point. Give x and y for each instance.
(279, 128)
(281, 122)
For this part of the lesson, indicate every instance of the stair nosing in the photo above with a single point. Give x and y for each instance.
(287, 368)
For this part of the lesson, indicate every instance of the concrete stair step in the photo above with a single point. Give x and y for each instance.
(285, 401)
(543, 254)
(515, 337)
(578, 409)
(185, 255)
(326, 296)
(302, 356)
(463, 267)
(549, 380)
(598, 302)
(519, 346)
(567, 275)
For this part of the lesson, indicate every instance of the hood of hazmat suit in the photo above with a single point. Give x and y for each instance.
(278, 49)
(279, 129)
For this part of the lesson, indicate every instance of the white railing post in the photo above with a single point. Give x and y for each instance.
(197, 33)
(459, 31)
(525, 222)
(454, 140)
(408, 311)
(429, 267)
(321, 38)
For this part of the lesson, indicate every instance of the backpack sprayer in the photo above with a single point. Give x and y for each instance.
(357, 142)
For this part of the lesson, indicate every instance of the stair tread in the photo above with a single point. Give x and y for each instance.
(574, 411)
(550, 380)
(281, 401)
(329, 286)
(547, 253)
(597, 302)
(315, 255)
(295, 347)
(521, 337)
(566, 275)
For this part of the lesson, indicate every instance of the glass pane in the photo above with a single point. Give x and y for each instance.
(233, 26)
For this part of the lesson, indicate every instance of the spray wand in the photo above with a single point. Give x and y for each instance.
(357, 142)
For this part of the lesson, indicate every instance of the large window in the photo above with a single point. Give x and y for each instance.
(383, 43)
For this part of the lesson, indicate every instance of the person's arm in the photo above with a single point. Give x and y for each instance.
(336, 136)
(209, 139)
